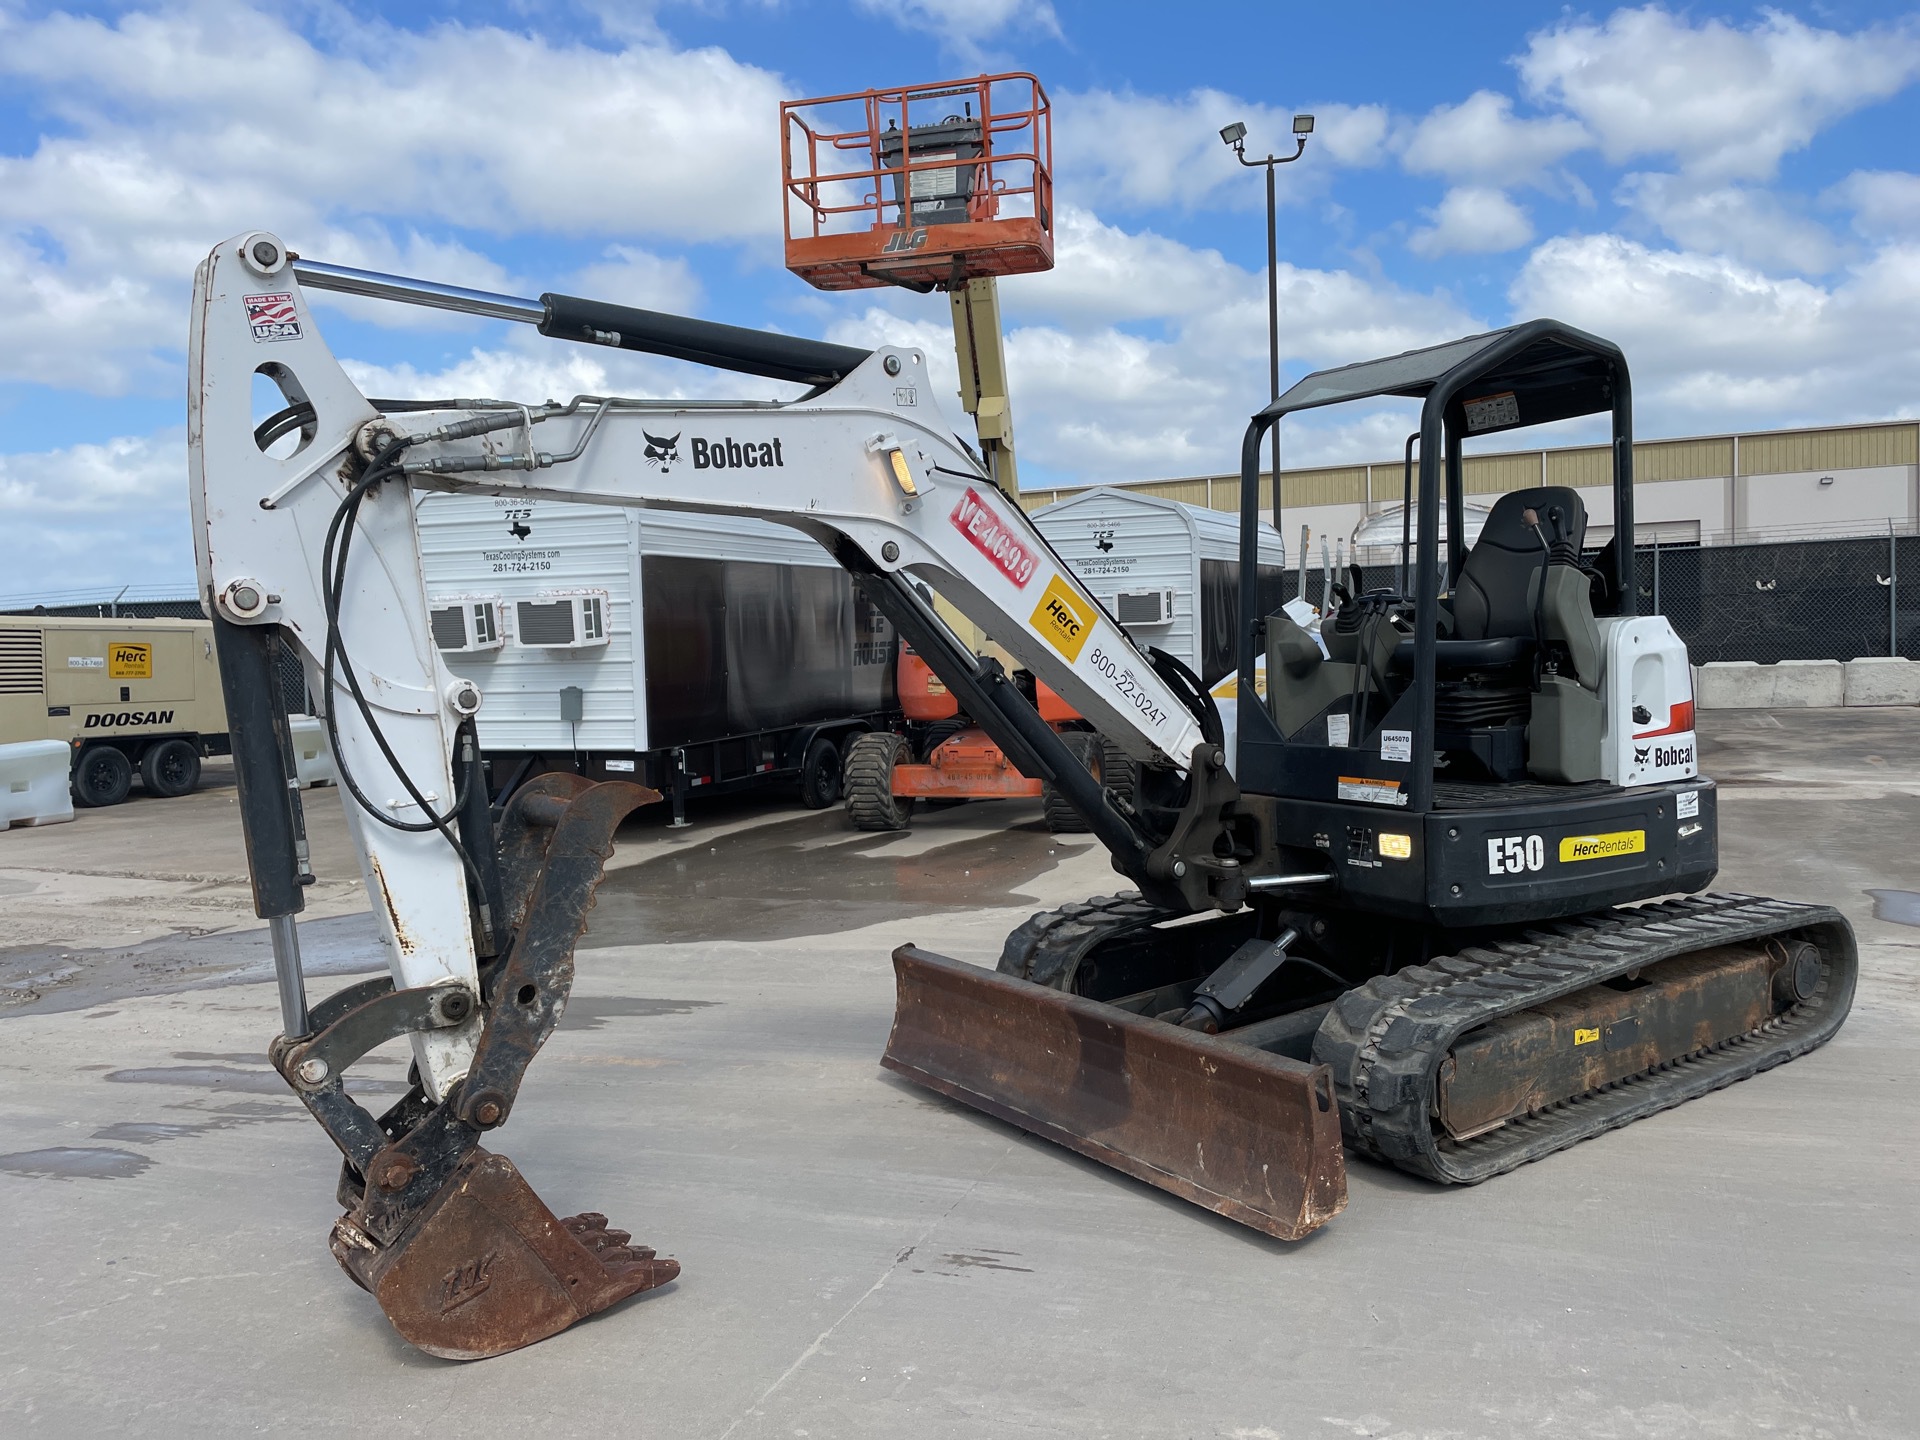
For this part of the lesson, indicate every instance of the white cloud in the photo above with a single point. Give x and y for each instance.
(1885, 203)
(1123, 150)
(1094, 401)
(1472, 220)
(964, 26)
(1727, 101)
(98, 515)
(1742, 222)
(186, 125)
(1480, 139)
(1715, 343)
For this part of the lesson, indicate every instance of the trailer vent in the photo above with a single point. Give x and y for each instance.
(22, 663)
(562, 622)
(463, 623)
(1144, 607)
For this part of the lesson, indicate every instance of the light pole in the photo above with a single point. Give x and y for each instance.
(1236, 136)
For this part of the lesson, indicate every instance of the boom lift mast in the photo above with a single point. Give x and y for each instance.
(1221, 1058)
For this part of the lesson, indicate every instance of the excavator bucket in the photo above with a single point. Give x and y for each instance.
(464, 1258)
(1250, 1135)
(488, 1268)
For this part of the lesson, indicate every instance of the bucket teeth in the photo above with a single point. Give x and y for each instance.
(488, 1268)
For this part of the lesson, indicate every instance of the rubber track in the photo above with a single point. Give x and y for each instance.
(1385, 1039)
(1049, 947)
(868, 784)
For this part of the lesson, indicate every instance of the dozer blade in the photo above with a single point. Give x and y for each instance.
(1249, 1135)
(488, 1268)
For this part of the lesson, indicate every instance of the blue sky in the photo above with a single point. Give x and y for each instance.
(1729, 191)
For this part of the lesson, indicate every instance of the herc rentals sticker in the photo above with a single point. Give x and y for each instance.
(1602, 847)
(130, 660)
(272, 317)
(1062, 620)
(976, 520)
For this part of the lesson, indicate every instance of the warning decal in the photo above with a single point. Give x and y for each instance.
(272, 317)
(1061, 619)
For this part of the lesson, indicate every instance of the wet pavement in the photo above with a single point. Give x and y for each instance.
(863, 1259)
(814, 875)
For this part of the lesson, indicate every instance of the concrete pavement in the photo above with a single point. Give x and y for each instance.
(864, 1259)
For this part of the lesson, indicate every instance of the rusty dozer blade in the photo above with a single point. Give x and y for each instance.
(464, 1259)
(488, 1268)
(1250, 1135)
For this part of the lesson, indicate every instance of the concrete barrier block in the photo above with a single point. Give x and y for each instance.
(1787, 685)
(34, 788)
(1883, 680)
(311, 756)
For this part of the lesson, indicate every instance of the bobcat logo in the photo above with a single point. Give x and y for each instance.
(1642, 753)
(1103, 540)
(466, 1282)
(662, 453)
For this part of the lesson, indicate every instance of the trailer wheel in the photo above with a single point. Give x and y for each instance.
(103, 777)
(871, 803)
(1120, 773)
(820, 774)
(170, 769)
(1091, 751)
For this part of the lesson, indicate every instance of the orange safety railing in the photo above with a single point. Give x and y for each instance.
(924, 186)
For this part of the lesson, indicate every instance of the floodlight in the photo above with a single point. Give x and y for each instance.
(1303, 124)
(1234, 133)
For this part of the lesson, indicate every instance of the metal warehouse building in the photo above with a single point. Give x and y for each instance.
(1708, 490)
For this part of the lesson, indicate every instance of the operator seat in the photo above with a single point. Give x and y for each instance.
(1496, 599)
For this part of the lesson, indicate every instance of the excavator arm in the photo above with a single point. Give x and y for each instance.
(304, 535)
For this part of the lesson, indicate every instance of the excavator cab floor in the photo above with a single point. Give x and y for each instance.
(1249, 1135)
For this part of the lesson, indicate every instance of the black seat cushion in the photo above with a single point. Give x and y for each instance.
(1454, 656)
(1499, 584)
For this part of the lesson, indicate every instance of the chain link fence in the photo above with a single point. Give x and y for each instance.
(1806, 599)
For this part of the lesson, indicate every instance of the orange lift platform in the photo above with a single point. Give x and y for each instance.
(925, 186)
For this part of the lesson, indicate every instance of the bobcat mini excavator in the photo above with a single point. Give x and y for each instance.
(1397, 916)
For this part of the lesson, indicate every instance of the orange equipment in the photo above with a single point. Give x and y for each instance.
(960, 761)
(926, 186)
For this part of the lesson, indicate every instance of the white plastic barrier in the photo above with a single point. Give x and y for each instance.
(311, 756)
(34, 788)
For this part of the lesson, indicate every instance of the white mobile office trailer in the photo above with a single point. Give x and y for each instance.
(681, 651)
(1169, 573)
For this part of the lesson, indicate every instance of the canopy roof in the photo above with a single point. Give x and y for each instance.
(1525, 374)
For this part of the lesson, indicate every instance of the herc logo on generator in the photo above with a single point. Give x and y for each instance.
(129, 660)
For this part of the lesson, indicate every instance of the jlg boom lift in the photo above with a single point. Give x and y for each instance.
(940, 187)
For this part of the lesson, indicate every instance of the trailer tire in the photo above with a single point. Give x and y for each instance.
(868, 775)
(1091, 751)
(1120, 773)
(101, 777)
(170, 769)
(820, 774)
